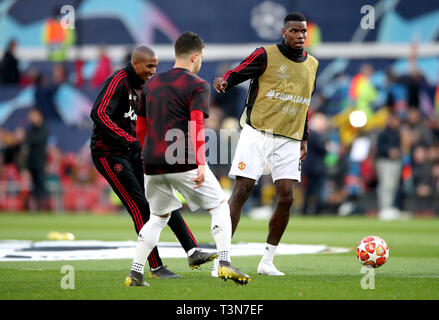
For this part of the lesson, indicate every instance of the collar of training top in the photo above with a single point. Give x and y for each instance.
(297, 55)
(134, 80)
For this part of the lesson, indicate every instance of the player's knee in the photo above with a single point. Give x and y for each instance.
(160, 220)
(222, 208)
(285, 199)
(241, 193)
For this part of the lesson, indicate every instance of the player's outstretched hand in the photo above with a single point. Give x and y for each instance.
(220, 85)
(199, 179)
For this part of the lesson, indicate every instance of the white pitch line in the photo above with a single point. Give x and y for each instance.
(11, 250)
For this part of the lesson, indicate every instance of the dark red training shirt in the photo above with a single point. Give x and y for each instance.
(166, 102)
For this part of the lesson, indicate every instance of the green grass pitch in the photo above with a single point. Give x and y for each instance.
(411, 273)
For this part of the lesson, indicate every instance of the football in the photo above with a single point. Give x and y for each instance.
(372, 251)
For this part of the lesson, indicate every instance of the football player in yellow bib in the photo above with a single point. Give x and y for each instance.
(282, 81)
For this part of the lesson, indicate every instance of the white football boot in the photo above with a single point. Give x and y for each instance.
(267, 268)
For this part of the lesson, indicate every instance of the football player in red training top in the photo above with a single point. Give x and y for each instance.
(116, 153)
(169, 102)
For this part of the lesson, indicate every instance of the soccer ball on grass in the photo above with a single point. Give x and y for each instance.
(372, 251)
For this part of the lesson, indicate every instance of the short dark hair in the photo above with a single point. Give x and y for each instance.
(188, 43)
(294, 16)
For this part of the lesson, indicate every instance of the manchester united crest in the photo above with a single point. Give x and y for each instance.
(118, 167)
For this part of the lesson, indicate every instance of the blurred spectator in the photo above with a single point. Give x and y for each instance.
(414, 80)
(36, 141)
(44, 97)
(53, 177)
(313, 168)
(422, 178)
(361, 91)
(418, 129)
(337, 167)
(45, 90)
(388, 165)
(103, 69)
(396, 94)
(9, 72)
(415, 132)
(57, 39)
(355, 183)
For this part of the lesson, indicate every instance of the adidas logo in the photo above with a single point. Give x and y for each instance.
(216, 228)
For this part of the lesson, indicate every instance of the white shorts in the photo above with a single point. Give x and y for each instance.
(259, 153)
(160, 191)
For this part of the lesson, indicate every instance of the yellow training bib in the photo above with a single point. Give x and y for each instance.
(284, 95)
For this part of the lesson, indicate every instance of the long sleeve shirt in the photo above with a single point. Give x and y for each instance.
(113, 113)
(254, 66)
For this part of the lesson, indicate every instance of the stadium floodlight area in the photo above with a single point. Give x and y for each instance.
(227, 52)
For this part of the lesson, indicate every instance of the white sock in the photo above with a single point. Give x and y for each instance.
(224, 256)
(148, 238)
(269, 252)
(221, 229)
(138, 267)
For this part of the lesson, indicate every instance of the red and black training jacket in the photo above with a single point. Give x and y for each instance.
(114, 113)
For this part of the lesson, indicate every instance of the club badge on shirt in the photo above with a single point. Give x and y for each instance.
(118, 168)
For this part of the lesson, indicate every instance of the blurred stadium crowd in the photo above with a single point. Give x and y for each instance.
(373, 145)
(340, 173)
